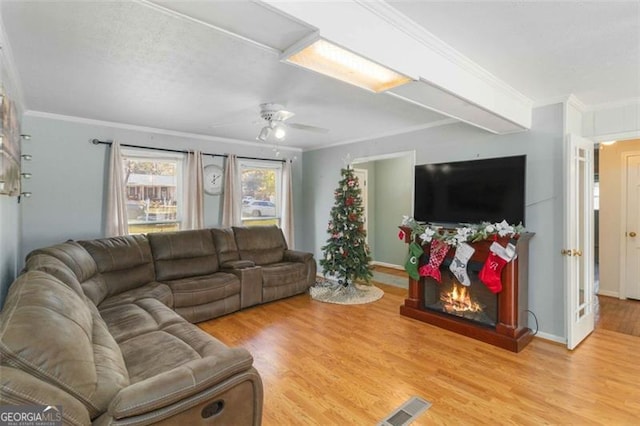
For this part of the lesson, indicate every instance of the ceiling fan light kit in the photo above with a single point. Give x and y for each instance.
(275, 115)
(325, 57)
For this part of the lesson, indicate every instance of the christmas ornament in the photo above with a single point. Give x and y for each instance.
(401, 235)
(491, 271)
(459, 263)
(438, 251)
(411, 264)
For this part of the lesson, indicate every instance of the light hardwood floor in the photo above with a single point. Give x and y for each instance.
(325, 364)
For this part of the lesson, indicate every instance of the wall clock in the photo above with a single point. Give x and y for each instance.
(213, 179)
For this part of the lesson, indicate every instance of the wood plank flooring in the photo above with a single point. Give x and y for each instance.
(325, 364)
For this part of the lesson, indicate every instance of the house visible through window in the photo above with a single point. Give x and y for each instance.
(154, 191)
(261, 197)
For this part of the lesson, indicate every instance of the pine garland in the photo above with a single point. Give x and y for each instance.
(469, 233)
(346, 254)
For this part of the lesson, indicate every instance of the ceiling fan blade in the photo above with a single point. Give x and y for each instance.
(282, 115)
(308, 128)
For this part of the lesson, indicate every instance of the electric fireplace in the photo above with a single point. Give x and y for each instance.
(499, 319)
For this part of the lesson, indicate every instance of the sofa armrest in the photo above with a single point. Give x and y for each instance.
(296, 256)
(237, 264)
(180, 383)
(250, 285)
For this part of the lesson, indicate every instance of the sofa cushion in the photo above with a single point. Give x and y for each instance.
(55, 267)
(50, 332)
(183, 254)
(262, 245)
(279, 274)
(74, 256)
(129, 320)
(226, 246)
(154, 290)
(124, 262)
(199, 290)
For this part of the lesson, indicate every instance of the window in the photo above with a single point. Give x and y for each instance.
(154, 191)
(261, 197)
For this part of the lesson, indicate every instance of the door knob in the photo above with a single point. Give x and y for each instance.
(566, 252)
(632, 234)
(577, 253)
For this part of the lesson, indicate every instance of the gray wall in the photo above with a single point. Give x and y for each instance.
(70, 174)
(543, 147)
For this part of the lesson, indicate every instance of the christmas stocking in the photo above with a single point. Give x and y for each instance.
(411, 265)
(492, 268)
(439, 250)
(459, 263)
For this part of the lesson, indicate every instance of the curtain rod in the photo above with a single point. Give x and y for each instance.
(180, 151)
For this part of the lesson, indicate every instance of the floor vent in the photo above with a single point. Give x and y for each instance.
(406, 413)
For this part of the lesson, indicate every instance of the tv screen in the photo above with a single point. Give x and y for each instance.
(471, 191)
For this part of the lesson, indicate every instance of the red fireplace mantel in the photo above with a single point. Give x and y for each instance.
(511, 331)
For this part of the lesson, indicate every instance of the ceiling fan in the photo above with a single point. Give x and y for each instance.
(275, 117)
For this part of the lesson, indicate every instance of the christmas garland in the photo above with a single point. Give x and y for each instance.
(469, 233)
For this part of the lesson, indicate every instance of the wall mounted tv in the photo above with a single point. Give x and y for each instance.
(471, 191)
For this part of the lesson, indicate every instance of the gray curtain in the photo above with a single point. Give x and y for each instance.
(194, 192)
(232, 193)
(287, 205)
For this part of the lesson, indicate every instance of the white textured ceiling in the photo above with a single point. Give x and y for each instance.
(135, 62)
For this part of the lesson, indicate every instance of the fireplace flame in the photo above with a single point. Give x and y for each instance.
(459, 300)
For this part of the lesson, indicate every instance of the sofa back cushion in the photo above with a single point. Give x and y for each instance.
(183, 254)
(56, 335)
(80, 262)
(125, 262)
(225, 243)
(262, 245)
(53, 266)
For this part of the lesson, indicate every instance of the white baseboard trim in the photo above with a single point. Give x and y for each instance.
(386, 265)
(609, 293)
(552, 337)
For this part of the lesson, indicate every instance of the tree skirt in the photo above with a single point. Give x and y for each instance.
(332, 292)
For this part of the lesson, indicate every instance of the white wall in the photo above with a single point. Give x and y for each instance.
(457, 142)
(611, 175)
(69, 176)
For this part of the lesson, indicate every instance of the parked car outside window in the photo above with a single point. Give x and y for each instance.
(258, 208)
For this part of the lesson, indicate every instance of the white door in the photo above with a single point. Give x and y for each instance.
(578, 243)
(632, 240)
(362, 175)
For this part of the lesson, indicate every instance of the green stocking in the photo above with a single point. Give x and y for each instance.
(411, 265)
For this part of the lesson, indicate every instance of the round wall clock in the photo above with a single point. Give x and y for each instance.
(213, 179)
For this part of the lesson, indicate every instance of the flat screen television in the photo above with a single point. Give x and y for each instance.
(488, 190)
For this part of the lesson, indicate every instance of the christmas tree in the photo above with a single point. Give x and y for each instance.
(346, 254)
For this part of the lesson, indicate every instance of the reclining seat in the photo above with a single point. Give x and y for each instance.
(187, 262)
(126, 269)
(284, 272)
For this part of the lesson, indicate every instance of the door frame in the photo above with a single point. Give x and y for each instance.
(622, 285)
(364, 188)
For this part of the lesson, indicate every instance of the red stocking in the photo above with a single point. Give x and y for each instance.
(437, 253)
(491, 271)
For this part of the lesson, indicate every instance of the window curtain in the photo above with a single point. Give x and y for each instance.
(232, 193)
(194, 192)
(287, 205)
(116, 217)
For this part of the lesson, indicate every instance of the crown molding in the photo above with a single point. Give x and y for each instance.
(124, 126)
(414, 30)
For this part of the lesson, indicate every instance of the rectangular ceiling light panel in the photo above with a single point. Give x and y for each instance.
(334, 61)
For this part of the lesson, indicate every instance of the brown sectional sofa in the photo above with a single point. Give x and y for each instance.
(102, 327)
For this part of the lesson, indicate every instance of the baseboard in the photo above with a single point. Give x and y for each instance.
(551, 337)
(386, 265)
(609, 293)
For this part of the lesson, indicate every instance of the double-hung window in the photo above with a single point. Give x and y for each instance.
(154, 190)
(261, 192)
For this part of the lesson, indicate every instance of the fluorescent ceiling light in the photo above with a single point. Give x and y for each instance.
(329, 59)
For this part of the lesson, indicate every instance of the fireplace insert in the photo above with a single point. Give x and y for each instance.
(474, 302)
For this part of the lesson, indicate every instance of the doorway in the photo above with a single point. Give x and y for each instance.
(617, 250)
(389, 196)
